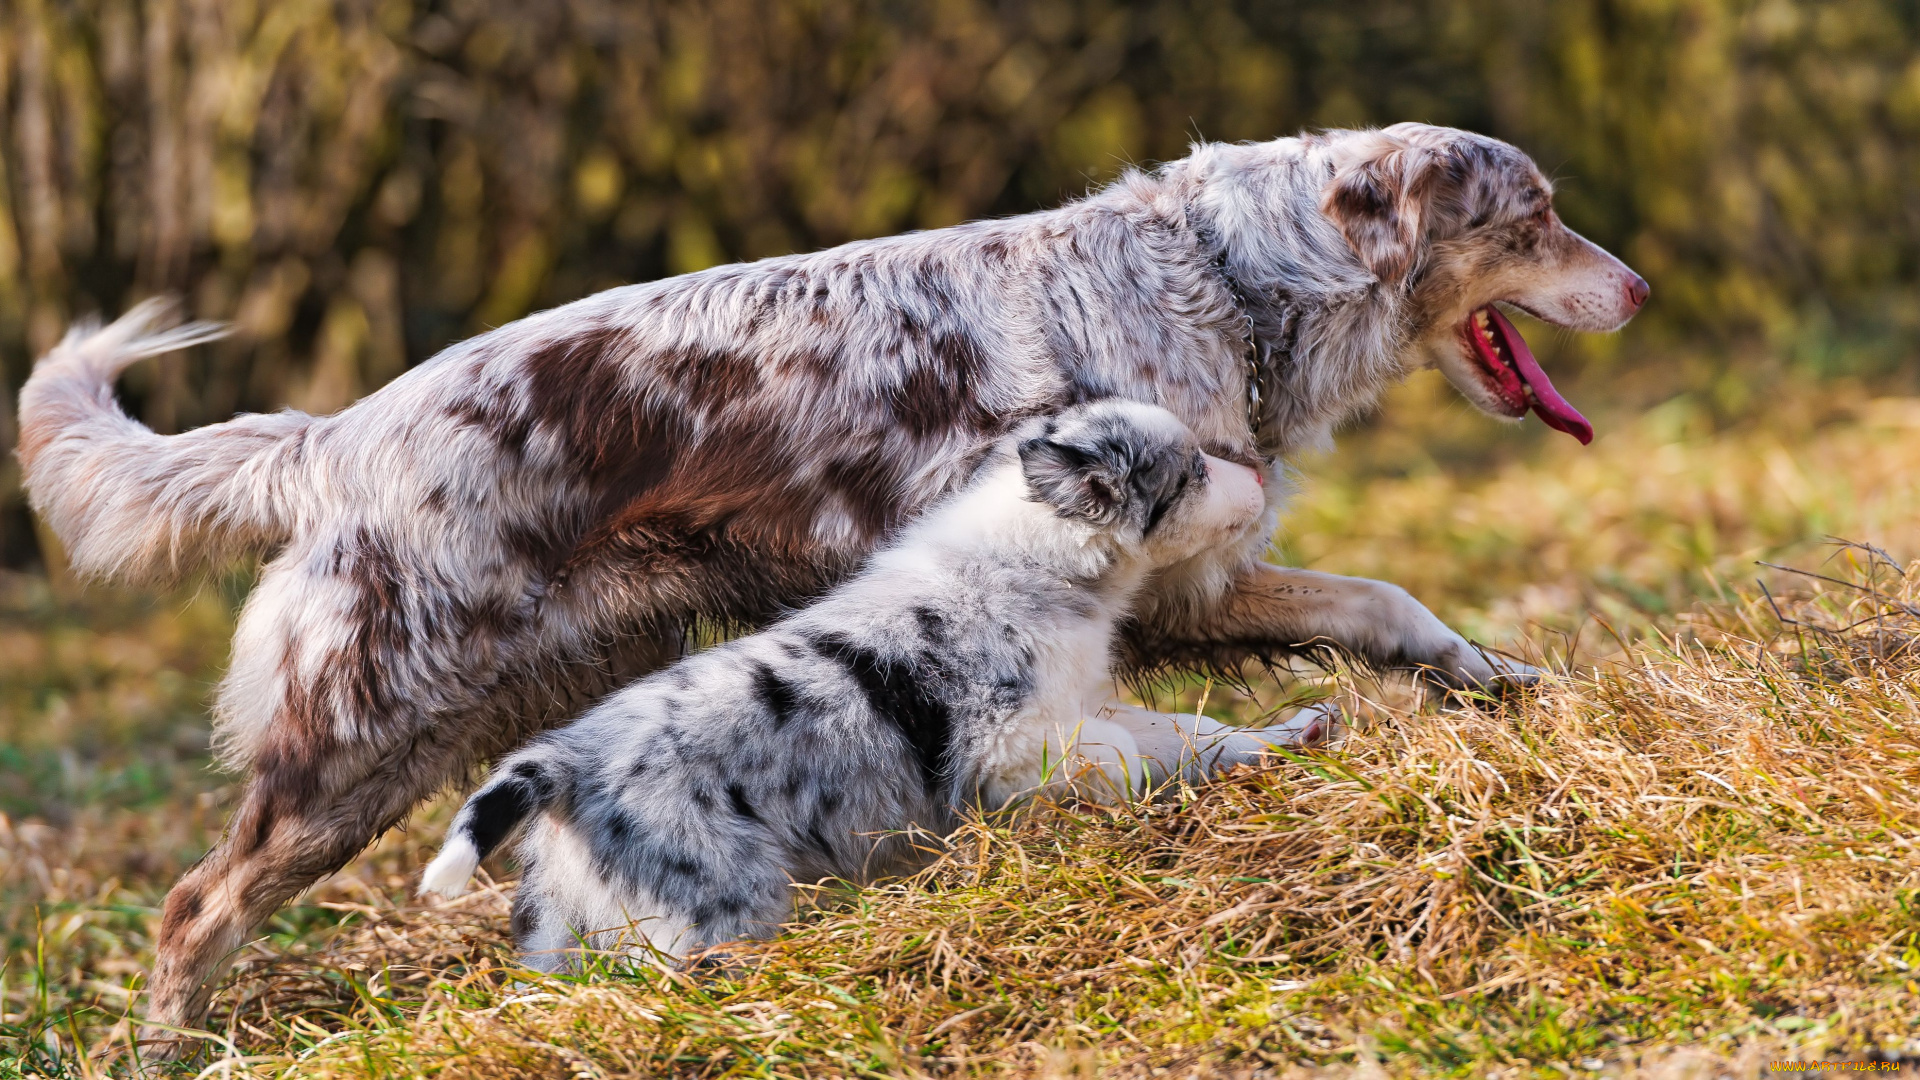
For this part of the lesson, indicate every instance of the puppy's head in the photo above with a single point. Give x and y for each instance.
(1460, 222)
(1136, 473)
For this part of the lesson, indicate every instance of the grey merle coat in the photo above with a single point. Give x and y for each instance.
(969, 662)
(527, 520)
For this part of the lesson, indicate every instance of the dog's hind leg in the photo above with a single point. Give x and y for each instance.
(328, 778)
(306, 812)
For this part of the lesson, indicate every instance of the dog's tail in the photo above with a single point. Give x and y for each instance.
(490, 815)
(132, 504)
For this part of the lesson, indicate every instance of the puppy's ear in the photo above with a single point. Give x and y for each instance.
(1378, 198)
(1075, 484)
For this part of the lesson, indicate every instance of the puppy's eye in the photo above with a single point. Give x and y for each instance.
(1185, 479)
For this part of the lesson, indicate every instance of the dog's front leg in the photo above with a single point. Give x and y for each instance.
(1197, 748)
(1272, 610)
(1126, 751)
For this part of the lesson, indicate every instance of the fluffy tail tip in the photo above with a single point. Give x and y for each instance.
(149, 328)
(451, 870)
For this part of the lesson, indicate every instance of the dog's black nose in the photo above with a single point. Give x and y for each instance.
(1637, 290)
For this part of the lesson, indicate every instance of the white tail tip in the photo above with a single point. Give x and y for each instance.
(449, 872)
(147, 329)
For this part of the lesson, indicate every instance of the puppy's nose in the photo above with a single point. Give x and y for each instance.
(1637, 290)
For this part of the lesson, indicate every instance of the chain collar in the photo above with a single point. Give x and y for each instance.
(1254, 350)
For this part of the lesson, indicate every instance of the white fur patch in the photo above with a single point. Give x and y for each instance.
(452, 870)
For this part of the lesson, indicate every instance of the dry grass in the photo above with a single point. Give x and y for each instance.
(1695, 852)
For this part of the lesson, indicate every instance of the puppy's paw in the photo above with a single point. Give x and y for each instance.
(1311, 727)
(718, 960)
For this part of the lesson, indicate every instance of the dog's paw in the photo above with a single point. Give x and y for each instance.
(1310, 727)
(715, 961)
(1514, 678)
(1469, 672)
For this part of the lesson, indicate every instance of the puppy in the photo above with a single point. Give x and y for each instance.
(967, 664)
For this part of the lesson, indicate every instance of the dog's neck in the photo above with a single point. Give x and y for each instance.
(1326, 336)
(1257, 348)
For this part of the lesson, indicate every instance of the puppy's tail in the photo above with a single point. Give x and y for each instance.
(132, 504)
(490, 815)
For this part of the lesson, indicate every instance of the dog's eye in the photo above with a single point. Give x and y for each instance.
(1195, 473)
(1166, 503)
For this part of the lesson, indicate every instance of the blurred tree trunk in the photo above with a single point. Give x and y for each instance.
(357, 183)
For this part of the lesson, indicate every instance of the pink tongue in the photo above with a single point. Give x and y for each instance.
(1547, 402)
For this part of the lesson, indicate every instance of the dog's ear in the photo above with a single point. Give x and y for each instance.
(1073, 482)
(1378, 198)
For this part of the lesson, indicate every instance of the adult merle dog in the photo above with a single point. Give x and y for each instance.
(531, 518)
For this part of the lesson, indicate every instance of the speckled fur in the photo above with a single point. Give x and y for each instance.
(961, 666)
(526, 521)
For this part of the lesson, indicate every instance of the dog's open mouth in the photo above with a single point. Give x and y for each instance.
(1514, 375)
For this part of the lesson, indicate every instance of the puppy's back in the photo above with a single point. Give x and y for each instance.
(683, 809)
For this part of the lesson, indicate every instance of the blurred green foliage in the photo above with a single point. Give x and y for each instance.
(356, 183)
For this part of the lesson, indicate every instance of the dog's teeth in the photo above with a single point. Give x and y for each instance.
(1485, 328)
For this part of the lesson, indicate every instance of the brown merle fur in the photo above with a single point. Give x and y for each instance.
(532, 518)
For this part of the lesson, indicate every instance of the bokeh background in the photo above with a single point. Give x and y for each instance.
(357, 183)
